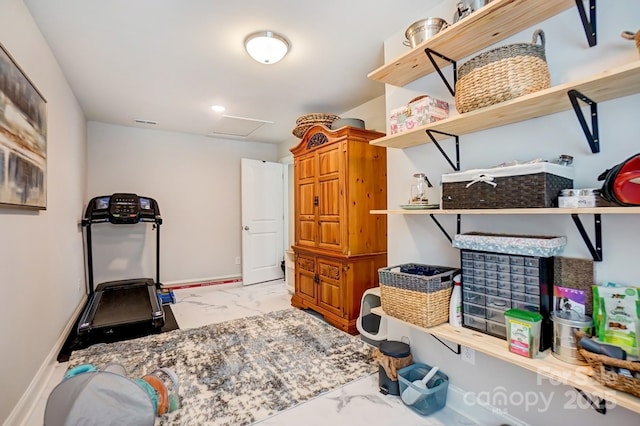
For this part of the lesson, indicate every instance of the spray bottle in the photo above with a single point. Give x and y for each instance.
(455, 304)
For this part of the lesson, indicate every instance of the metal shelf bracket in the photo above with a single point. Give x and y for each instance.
(592, 135)
(444, 231)
(456, 167)
(596, 252)
(430, 53)
(456, 351)
(601, 406)
(589, 24)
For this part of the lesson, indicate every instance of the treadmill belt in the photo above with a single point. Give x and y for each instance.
(122, 306)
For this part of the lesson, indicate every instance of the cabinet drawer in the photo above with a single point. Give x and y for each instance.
(477, 298)
(330, 271)
(495, 315)
(517, 269)
(499, 329)
(491, 291)
(475, 322)
(516, 296)
(477, 310)
(498, 302)
(504, 293)
(531, 271)
(490, 266)
(518, 287)
(532, 289)
(306, 264)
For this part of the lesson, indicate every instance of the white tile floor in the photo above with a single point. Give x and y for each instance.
(357, 403)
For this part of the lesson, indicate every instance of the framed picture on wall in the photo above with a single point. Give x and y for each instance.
(23, 138)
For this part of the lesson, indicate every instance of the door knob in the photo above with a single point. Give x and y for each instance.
(246, 228)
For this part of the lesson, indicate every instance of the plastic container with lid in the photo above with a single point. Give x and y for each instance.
(568, 327)
(523, 332)
(432, 397)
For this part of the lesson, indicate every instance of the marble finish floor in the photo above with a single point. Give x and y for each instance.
(357, 403)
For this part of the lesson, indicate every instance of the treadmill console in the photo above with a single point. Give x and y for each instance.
(122, 208)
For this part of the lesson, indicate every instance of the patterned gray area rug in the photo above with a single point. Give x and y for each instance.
(245, 370)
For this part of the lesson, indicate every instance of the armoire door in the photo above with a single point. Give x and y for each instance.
(306, 199)
(330, 292)
(331, 197)
(306, 282)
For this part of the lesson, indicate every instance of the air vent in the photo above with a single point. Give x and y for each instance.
(146, 121)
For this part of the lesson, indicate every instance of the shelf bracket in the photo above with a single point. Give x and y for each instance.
(600, 406)
(596, 252)
(456, 167)
(589, 24)
(593, 134)
(430, 53)
(444, 231)
(455, 351)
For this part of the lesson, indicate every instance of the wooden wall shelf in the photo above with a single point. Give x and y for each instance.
(586, 210)
(490, 24)
(611, 84)
(545, 364)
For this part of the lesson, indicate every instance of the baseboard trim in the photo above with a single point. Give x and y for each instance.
(30, 398)
(201, 282)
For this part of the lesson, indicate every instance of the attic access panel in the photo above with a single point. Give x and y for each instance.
(229, 125)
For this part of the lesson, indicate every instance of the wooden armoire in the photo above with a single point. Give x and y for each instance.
(339, 246)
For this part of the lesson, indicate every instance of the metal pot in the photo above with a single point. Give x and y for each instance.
(466, 7)
(423, 29)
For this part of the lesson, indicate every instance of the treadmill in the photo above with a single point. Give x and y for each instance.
(124, 303)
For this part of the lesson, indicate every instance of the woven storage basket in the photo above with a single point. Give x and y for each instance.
(304, 122)
(604, 372)
(632, 36)
(501, 74)
(526, 185)
(415, 293)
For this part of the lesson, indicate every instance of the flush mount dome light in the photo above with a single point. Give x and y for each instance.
(266, 47)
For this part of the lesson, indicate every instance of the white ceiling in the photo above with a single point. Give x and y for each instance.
(168, 61)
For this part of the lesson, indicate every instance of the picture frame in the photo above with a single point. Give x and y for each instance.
(23, 138)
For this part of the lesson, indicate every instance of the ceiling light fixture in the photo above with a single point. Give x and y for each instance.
(218, 108)
(266, 47)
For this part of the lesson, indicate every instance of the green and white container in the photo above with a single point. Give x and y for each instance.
(523, 332)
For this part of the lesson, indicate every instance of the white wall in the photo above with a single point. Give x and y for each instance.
(196, 182)
(41, 259)
(417, 239)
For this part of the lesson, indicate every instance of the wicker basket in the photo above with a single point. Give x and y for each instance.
(632, 36)
(520, 186)
(604, 372)
(417, 294)
(501, 74)
(304, 122)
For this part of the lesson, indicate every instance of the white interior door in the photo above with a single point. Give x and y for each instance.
(262, 221)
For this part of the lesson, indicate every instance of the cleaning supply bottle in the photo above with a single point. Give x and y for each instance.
(455, 304)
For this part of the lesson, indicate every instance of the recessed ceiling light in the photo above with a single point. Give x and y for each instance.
(218, 108)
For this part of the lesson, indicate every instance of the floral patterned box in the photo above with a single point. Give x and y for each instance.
(423, 110)
(528, 245)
